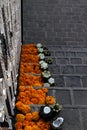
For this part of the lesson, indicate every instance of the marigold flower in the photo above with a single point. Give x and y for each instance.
(45, 90)
(43, 125)
(22, 107)
(50, 100)
(35, 115)
(21, 88)
(34, 100)
(35, 127)
(28, 128)
(18, 125)
(20, 117)
(29, 117)
(25, 123)
(31, 123)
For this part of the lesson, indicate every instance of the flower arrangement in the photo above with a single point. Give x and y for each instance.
(29, 68)
(20, 117)
(50, 100)
(31, 80)
(30, 125)
(30, 76)
(22, 107)
(29, 95)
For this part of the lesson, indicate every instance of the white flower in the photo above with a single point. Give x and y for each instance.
(40, 50)
(51, 80)
(46, 74)
(39, 45)
(42, 56)
(44, 65)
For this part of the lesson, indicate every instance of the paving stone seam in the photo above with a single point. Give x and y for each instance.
(66, 57)
(67, 88)
(74, 106)
(72, 97)
(75, 51)
(65, 82)
(81, 120)
(70, 64)
(67, 45)
(77, 65)
(69, 74)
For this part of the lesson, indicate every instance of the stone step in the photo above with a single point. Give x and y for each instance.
(69, 69)
(68, 97)
(68, 61)
(75, 48)
(68, 54)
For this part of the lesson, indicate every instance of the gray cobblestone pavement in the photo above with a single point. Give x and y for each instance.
(61, 25)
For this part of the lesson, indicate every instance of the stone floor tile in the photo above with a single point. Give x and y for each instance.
(62, 96)
(72, 81)
(80, 97)
(71, 119)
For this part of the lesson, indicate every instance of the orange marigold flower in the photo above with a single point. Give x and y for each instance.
(43, 125)
(22, 107)
(35, 127)
(45, 90)
(25, 123)
(34, 100)
(20, 117)
(28, 128)
(35, 115)
(31, 123)
(21, 88)
(41, 101)
(50, 100)
(18, 125)
(28, 117)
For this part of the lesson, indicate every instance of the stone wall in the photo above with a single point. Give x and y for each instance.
(10, 48)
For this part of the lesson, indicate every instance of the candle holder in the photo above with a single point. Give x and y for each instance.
(57, 123)
(46, 112)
